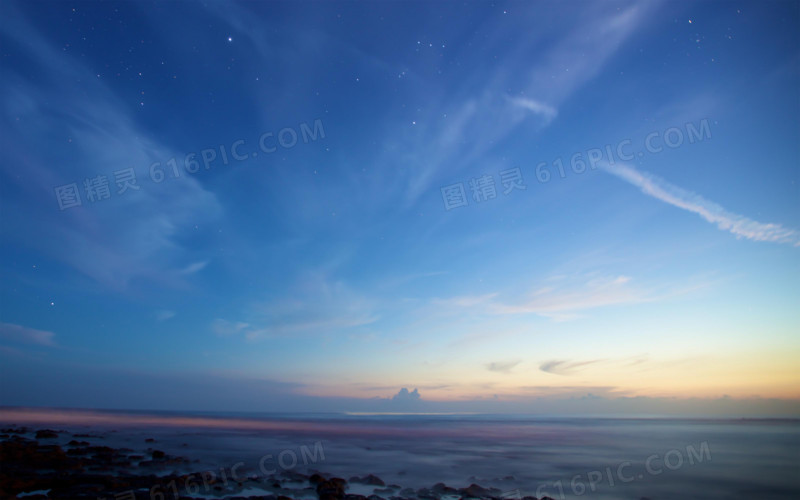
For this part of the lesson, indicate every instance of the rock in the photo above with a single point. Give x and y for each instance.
(475, 491)
(371, 480)
(149, 440)
(46, 434)
(443, 489)
(332, 489)
(426, 494)
(158, 454)
(316, 479)
(15, 430)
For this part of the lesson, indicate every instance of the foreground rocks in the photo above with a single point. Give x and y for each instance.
(33, 470)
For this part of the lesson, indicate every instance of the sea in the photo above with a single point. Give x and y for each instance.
(516, 455)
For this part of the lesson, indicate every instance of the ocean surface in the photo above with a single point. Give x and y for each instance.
(564, 458)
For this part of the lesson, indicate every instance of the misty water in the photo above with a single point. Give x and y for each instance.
(602, 458)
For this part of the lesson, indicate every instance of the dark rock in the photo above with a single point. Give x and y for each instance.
(371, 480)
(332, 489)
(426, 494)
(475, 491)
(15, 430)
(46, 434)
(443, 489)
(149, 440)
(316, 479)
(158, 454)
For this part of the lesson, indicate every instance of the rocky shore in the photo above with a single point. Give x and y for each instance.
(33, 467)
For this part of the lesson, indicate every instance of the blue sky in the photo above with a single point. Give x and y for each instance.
(328, 272)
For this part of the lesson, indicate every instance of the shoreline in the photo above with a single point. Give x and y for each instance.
(35, 468)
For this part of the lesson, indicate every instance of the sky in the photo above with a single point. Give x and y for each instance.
(537, 207)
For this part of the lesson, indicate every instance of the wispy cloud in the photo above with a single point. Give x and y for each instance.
(465, 300)
(547, 112)
(739, 225)
(315, 305)
(562, 367)
(564, 299)
(91, 133)
(194, 267)
(502, 366)
(483, 109)
(164, 315)
(225, 328)
(24, 335)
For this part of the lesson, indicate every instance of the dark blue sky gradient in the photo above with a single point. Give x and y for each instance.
(332, 273)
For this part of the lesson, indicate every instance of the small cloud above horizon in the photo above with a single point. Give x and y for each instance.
(502, 366)
(403, 395)
(564, 367)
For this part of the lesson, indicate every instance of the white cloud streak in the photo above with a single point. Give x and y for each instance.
(739, 225)
(547, 112)
(195, 267)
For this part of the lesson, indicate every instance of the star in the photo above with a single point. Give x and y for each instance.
(230, 38)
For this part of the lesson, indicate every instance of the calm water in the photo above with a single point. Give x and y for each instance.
(559, 457)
